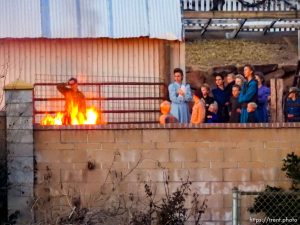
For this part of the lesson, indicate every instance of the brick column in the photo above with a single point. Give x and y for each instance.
(20, 161)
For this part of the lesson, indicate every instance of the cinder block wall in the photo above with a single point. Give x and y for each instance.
(215, 160)
(3, 175)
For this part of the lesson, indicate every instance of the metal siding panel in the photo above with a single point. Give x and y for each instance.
(115, 59)
(63, 19)
(141, 57)
(78, 57)
(120, 57)
(132, 69)
(104, 57)
(148, 57)
(4, 62)
(125, 57)
(109, 58)
(129, 18)
(94, 18)
(165, 19)
(99, 53)
(27, 59)
(136, 57)
(20, 18)
(156, 60)
(84, 55)
(94, 60)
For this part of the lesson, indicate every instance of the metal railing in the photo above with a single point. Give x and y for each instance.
(119, 102)
(261, 25)
(273, 207)
(236, 5)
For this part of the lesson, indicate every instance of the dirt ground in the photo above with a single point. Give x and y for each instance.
(204, 53)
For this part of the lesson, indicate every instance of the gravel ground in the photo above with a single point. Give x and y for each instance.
(206, 53)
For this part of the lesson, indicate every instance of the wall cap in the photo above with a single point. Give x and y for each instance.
(169, 126)
(18, 85)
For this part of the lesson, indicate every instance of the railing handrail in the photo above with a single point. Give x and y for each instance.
(127, 99)
(236, 5)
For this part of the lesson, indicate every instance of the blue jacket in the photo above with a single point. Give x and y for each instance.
(248, 94)
(179, 105)
(293, 107)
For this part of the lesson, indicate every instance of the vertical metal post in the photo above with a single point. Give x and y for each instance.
(235, 206)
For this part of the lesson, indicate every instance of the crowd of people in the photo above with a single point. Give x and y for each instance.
(236, 98)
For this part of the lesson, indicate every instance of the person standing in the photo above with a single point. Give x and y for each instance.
(248, 92)
(252, 116)
(198, 113)
(222, 98)
(235, 106)
(230, 79)
(263, 96)
(180, 95)
(74, 99)
(240, 80)
(206, 98)
(292, 105)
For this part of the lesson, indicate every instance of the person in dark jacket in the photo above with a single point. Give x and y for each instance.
(212, 115)
(234, 105)
(263, 97)
(230, 79)
(292, 105)
(222, 98)
(252, 115)
(206, 98)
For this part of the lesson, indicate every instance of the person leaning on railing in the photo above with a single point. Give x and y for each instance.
(292, 105)
(73, 99)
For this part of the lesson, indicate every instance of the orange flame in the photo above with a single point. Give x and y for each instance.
(91, 116)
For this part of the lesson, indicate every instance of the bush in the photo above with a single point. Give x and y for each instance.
(172, 209)
(279, 205)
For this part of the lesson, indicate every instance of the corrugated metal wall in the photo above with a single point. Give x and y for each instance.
(90, 19)
(48, 60)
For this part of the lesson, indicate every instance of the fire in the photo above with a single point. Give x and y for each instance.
(91, 116)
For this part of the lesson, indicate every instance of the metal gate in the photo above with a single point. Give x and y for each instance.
(119, 102)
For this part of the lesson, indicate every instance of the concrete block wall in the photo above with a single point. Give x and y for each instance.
(3, 174)
(215, 160)
(20, 160)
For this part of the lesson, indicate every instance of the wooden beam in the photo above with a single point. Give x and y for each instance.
(241, 15)
(279, 94)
